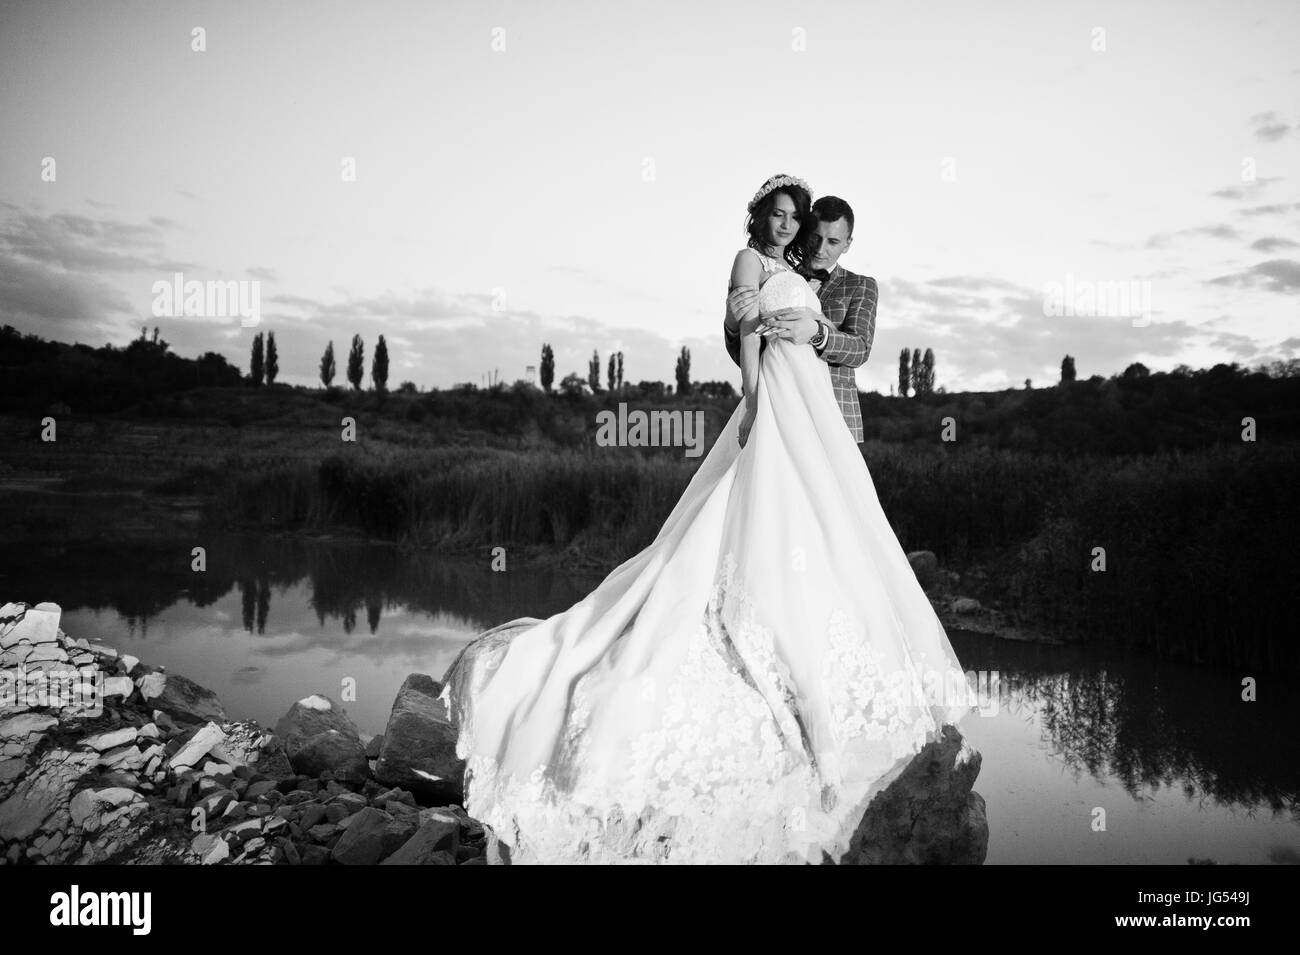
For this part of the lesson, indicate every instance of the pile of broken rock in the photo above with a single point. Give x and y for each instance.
(143, 766)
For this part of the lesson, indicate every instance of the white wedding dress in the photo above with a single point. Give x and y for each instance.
(742, 688)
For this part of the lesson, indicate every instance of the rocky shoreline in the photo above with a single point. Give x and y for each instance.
(148, 768)
(958, 612)
(106, 759)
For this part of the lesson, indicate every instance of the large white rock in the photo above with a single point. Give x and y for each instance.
(112, 739)
(225, 754)
(92, 809)
(24, 725)
(11, 659)
(211, 849)
(152, 685)
(20, 734)
(309, 718)
(122, 686)
(36, 626)
(47, 651)
(198, 746)
(123, 757)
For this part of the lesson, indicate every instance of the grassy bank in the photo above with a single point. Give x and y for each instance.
(597, 507)
(1196, 545)
(1197, 533)
(1199, 557)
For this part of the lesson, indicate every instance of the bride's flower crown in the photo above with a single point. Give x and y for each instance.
(776, 182)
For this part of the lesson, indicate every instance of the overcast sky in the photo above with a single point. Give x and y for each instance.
(577, 173)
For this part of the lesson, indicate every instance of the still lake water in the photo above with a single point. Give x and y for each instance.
(1181, 767)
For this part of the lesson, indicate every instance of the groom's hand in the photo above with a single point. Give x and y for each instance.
(793, 324)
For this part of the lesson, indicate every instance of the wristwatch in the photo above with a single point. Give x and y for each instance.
(818, 340)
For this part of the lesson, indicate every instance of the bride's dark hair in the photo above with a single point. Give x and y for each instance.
(757, 225)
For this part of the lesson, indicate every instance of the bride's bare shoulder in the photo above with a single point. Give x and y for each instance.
(747, 268)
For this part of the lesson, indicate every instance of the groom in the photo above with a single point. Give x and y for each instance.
(841, 335)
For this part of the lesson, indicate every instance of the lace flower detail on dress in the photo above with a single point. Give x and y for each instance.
(868, 701)
(752, 650)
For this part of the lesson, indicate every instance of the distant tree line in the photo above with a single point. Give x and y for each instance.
(36, 374)
(1135, 410)
(574, 384)
(356, 369)
(916, 372)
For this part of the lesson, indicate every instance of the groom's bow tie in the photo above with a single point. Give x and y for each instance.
(820, 274)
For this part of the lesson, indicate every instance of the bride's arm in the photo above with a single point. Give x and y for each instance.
(746, 271)
(737, 303)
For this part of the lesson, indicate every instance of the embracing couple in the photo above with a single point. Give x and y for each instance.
(741, 689)
(789, 230)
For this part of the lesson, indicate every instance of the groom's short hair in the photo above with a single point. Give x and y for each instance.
(832, 209)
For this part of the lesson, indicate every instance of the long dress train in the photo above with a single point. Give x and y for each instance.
(739, 690)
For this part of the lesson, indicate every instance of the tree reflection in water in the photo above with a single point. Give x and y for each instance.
(1147, 724)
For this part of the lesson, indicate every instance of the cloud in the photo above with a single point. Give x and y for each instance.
(1273, 244)
(1271, 134)
(1218, 230)
(1275, 275)
(56, 271)
(36, 298)
(974, 283)
(990, 333)
(1236, 344)
(1247, 191)
(1273, 209)
(74, 243)
(1268, 127)
(67, 276)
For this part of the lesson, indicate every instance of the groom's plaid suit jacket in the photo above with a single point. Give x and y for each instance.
(849, 306)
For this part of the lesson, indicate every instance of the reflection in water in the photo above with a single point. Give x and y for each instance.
(270, 621)
(1181, 765)
(344, 579)
(1144, 723)
(1202, 773)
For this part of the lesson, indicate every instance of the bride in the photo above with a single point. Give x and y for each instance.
(740, 690)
